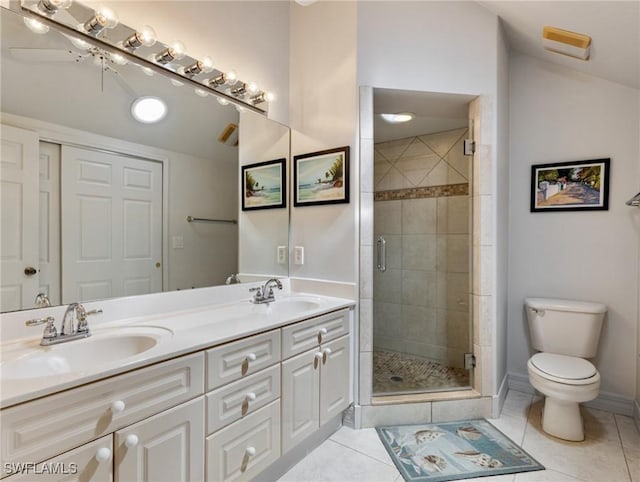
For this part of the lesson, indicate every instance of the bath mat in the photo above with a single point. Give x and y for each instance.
(436, 452)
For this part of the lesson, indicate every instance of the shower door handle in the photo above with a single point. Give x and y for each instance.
(382, 254)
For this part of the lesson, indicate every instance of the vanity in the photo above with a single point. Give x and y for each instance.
(224, 393)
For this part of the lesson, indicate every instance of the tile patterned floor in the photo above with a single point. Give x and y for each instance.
(611, 452)
(395, 373)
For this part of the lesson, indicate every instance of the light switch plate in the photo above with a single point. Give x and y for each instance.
(178, 242)
(282, 254)
(298, 255)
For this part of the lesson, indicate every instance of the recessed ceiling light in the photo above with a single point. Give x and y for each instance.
(565, 42)
(148, 110)
(398, 118)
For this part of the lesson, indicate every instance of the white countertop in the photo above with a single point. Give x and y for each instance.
(178, 333)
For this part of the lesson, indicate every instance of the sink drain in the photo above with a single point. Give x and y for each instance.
(396, 378)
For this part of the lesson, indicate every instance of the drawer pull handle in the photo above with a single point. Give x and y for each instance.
(103, 454)
(251, 357)
(251, 396)
(117, 406)
(251, 451)
(131, 441)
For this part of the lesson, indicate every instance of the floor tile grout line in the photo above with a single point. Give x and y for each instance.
(624, 453)
(365, 454)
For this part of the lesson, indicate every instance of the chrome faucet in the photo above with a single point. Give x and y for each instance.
(264, 294)
(68, 331)
(42, 301)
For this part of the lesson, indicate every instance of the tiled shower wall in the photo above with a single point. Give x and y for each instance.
(422, 209)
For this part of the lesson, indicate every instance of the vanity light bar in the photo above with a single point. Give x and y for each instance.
(165, 61)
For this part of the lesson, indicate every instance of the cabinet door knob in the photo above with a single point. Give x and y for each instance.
(30, 271)
(323, 331)
(327, 351)
(131, 441)
(251, 451)
(117, 406)
(103, 454)
(319, 355)
(251, 357)
(251, 396)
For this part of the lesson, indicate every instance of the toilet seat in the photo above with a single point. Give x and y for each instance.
(564, 369)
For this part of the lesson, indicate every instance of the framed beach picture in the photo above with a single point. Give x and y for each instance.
(321, 177)
(570, 186)
(264, 185)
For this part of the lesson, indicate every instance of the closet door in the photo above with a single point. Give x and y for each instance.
(19, 230)
(111, 225)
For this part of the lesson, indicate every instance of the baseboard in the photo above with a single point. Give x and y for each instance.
(498, 400)
(607, 401)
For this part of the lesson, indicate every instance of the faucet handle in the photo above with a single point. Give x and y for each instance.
(49, 330)
(82, 319)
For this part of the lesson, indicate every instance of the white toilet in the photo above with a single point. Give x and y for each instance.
(565, 332)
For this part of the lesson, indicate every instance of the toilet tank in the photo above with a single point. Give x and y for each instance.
(566, 327)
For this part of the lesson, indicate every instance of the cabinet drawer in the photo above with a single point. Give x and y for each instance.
(37, 430)
(241, 358)
(238, 399)
(308, 334)
(80, 464)
(245, 448)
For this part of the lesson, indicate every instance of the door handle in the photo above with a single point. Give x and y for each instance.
(382, 254)
(30, 271)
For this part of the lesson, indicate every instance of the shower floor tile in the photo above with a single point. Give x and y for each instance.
(395, 372)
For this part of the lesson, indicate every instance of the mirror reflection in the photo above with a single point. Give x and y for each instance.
(95, 204)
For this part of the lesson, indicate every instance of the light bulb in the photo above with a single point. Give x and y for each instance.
(231, 77)
(205, 65)
(103, 17)
(35, 26)
(222, 101)
(146, 36)
(118, 59)
(270, 96)
(201, 92)
(252, 88)
(79, 43)
(50, 7)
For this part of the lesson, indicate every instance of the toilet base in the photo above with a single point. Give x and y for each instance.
(562, 419)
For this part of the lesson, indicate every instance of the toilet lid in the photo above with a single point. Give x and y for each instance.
(562, 366)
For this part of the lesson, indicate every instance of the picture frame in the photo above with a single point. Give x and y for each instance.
(321, 177)
(264, 185)
(571, 186)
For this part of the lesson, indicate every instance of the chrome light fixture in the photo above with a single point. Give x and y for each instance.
(166, 59)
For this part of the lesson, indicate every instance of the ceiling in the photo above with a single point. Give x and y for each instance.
(614, 27)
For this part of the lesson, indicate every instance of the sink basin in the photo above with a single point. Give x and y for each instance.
(292, 306)
(81, 355)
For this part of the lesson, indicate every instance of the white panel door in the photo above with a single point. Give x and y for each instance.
(111, 225)
(168, 447)
(334, 378)
(49, 213)
(300, 398)
(19, 218)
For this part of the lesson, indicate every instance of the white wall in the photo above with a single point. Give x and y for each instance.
(560, 115)
(322, 116)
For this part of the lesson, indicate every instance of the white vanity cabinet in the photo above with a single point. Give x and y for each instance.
(315, 383)
(90, 462)
(47, 427)
(168, 446)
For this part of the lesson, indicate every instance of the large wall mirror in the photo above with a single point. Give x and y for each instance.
(96, 205)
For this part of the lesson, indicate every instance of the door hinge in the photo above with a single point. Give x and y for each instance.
(469, 361)
(469, 147)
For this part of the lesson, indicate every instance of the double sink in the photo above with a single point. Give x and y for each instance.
(126, 343)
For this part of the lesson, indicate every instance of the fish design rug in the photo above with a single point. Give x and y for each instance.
(437, 452)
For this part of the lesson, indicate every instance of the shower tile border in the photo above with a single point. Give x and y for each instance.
(445, 190)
